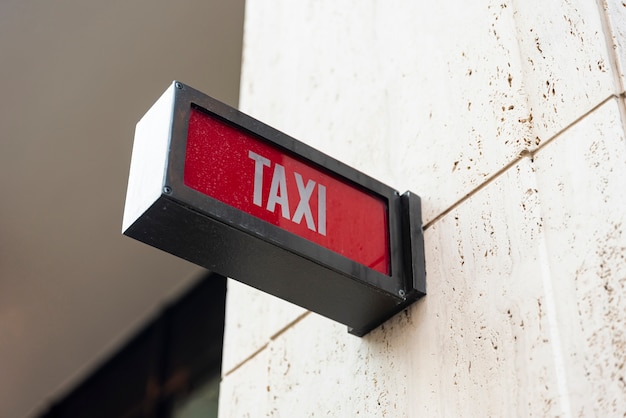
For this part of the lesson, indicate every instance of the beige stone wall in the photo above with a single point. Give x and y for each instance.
(508, 119)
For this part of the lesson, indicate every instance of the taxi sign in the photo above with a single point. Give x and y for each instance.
(218, 188)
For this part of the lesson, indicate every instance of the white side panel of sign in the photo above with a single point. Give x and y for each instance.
(147, 168)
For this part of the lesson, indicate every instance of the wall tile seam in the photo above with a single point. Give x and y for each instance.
(245, 360)
(621, 105)
(272, 337)
(611, 45)
(525, 153)
(610, 40)
(291, 324)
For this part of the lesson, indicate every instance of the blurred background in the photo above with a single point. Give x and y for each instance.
(75, 78)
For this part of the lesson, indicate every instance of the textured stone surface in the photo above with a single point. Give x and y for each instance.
(581, 188)
(566, 62)
(509, 128)
(435, 98)
(414, 95)
(487, 289)
(615, 14)
(253, 318)
(479, 335)
(243, 394)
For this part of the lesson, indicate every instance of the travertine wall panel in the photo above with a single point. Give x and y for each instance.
(244, 393)
(417, 95)
(479, 336)
(490, 347)
(386, 103)
(566, 62)
(615, 15)
(581, 188)
(505, 118)
(253, 317)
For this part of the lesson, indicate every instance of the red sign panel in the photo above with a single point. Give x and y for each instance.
(264, 181)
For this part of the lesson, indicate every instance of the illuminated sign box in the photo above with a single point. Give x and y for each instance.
(218, 188)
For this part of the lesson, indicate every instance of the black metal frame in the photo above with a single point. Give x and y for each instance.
(194, 226)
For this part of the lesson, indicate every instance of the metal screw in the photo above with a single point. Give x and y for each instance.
(401, 293)
(167, 190)
(178, 85)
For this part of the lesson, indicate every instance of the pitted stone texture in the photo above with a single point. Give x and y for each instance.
(581, 188)
(244, 393)
(565, 57)
(525, 305)
(252, 318)
(615, 12)
(477, 345)
(423, 96)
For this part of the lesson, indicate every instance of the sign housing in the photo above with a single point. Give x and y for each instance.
(220, 189)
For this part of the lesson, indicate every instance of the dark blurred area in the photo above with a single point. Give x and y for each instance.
(161, 370)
